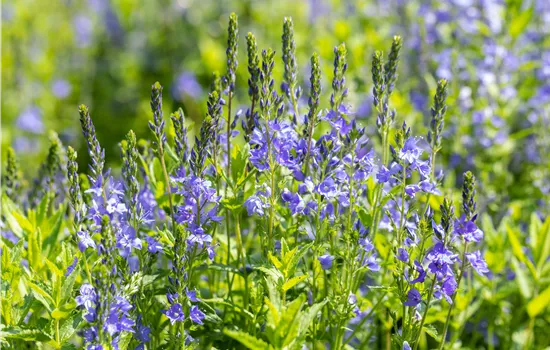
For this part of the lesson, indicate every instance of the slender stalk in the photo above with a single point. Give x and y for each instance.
(454, 296)
(242, 255)
(430, 294)
(167, 179)
(360, 324)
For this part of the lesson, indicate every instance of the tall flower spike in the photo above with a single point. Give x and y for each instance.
(447, 216)
(11, 176)
(202, 143)
(438, 115)
(469, 196)
(97, 154)
(214, 113)
(377, 71)
(182, 146)
(268, 95)
(313, 102)
(53, 160)
(289, 59)
(216, 84)
(390, 68)
(339, 81)
(253, 84)
(130, 168)
(157, 125)
(232, 46)
(74, 186)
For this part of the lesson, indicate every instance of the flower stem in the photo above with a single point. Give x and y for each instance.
(430, 294)
(454, 296)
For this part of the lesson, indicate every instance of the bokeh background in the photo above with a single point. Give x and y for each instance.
(107, 54)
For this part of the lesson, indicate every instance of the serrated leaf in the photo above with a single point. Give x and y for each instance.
(247, 340)
(275, 261)
(42, 295)
(431, 331)
(272, 314)
(288, 326)
(293, 281)
(68, 283)
(42, 209)
(64, 311)
(30, 334)
(307, 319)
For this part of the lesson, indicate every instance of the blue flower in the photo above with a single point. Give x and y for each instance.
(403, 255)
(421, 273)
(255, 205)
(174, 313)
(410, 151)
(192, 295)
(295, 202)
(326, 261)
(413, 297)
(406, 345)
(467, 229)
(127, 240)
(85, 241)
(478, 263)
(71, 267)
(441, 261)
(328, 188)
(196, 315)
(153, 246)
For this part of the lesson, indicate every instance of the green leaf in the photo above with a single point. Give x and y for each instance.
(273, 316)
(247, 340)
(23, 222)
(520, 22)
(68, 283)
(543, 243)
(289, 325)
(64, 311)
(539, 303)
(307, 319)
(220, 267)
(517, 249)
(42, 295)
(54, 223)
(42, 210)
(220, 301)
(293, 281)
(30, 334)
(8, 208)
(275, 261)
(431, 331)
(524, 285)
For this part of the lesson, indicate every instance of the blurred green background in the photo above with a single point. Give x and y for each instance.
(107, 54)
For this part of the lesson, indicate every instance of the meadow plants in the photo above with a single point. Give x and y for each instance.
(293, 224)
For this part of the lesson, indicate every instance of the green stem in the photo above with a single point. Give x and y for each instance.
(430, 294)
(167, 179)
(454, 296)
(360, 324)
